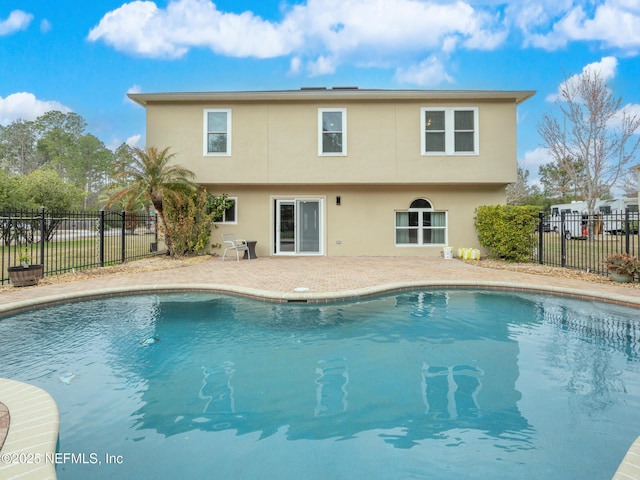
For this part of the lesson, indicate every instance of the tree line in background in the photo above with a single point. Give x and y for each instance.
(593, 143)
(52, 162)
(57, 146)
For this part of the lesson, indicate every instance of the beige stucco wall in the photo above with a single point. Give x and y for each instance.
(363, 225)
(274, 146)
(277, 143)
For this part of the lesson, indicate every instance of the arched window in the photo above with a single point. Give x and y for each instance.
(420, 225)
(421, 203)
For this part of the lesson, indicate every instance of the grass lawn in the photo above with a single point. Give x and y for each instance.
(65, 255)
(584, 253)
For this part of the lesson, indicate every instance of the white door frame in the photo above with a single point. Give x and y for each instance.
(298, 224)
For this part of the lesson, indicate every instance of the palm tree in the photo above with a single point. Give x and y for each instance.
(151, 176)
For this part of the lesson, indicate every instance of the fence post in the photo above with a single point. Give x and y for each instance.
(155, 227)
(123, 243)
(12, 239)
(563, 241)
(43, 226)
(540, 237)
(626, 230)
(101, 235)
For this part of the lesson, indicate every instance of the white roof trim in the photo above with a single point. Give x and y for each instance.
(336, 93)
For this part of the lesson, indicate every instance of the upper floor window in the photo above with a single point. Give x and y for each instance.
(332, 131)
(217, 131)
(449, 131)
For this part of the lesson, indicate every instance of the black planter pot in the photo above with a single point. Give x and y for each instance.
(23, 277)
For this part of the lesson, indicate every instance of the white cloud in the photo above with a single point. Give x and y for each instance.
(319, 34)
(134, 140)
(428, 73)
(612, 23)
(486, 38)
(132, 89)
(533, 160)
(449, 44)
(321, 66)
(295, 65)
(26, 106)
(605, 68)
(141, 28)
(45, 26)
(535, 18)
(630, 111)
(17, 20)
(382, 29)
(135, 28)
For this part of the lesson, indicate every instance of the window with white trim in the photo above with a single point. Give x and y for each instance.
(332, 131)
(217, 132)
(420, 225)
(230, 215)
(449, 131)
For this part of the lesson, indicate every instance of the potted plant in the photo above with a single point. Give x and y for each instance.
(25, 274)
(622, 267)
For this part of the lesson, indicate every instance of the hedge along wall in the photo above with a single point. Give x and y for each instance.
(507, 230)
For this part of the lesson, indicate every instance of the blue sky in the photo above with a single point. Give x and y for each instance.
(81, 56)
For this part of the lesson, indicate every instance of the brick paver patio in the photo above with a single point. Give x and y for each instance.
(315, 278)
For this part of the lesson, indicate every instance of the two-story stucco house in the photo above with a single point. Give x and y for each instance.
(344, 171)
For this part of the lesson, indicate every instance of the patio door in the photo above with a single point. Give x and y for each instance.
(298, 228)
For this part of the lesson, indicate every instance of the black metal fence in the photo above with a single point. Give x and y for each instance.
(69, 241)
(583, 242)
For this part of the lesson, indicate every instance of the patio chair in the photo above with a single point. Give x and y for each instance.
(230, 243)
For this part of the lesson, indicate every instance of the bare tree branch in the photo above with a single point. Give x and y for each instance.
(591, 137)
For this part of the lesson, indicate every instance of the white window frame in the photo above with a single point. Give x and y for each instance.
(449, 131)
(321, 112)
(235, 208)
(420, 228)
(206, 132)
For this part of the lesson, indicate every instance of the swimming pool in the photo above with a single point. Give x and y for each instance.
(422, 384)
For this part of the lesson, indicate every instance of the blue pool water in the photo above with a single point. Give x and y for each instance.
(435, 385)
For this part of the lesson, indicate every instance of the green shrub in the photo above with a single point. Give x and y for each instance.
(217, 204)
(507, 230)
(188, 224)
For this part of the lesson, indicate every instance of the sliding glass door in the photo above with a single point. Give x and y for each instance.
(285, 226)
(298, 226)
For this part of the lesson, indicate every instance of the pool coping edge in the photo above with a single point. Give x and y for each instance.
(317, 297)
(33, 432)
